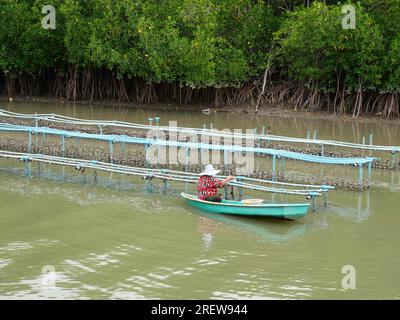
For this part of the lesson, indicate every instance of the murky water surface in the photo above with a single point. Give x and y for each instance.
(71, 240)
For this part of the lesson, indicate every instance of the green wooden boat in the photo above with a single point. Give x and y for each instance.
(274, 210)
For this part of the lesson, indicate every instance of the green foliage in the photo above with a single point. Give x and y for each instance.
(203, 43)
(196, 42)
(246, 28)
(25, 46)
(393, 66)
(387, 16)
(316, 50)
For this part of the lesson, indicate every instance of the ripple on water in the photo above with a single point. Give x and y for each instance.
(16, 246)
(77, 264)
(93, 262)
(41, 287)
(239, 295)
(5, 262)
(147, 282)
(207, 262)
(127, 295)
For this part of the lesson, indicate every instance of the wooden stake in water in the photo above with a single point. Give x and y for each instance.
(36, 141)
(149, 184)
(314, 203)
(157, 119)
(29, 142)
(369, 170)
(147, 155)
(110, 180)
(39, 169)
(240, 189)
(95, 177)
(165, 189)
(111, 150)
(226, 165)
(43, 138)
(394, 159)
(363, 142)
(27, 170)
(360, 177)
(273, 167)
(63, 145)
(123, 147)
(370, 143)
(187, 159)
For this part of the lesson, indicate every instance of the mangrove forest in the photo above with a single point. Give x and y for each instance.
(333, 56)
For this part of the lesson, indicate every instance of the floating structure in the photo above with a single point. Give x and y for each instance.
(34, 126)
(188, 146)
(241, 183)
(101, 124)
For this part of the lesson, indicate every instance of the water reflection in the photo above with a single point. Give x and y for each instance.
(209, 224)
(274, 230)
(356, 206)
(317, 221)
(207, 228)
(130, 244)
(358, 210)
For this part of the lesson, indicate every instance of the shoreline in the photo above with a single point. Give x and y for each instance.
(264, 110)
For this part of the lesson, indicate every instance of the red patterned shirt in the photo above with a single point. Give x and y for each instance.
(207, 187)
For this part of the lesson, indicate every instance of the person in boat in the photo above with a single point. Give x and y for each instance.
(207, 188)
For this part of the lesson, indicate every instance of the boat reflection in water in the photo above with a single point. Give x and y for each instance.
(267, 229)
(275, 230)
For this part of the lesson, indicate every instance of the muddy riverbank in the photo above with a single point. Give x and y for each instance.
(278, 110)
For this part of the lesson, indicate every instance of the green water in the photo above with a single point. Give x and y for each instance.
(110, 243)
